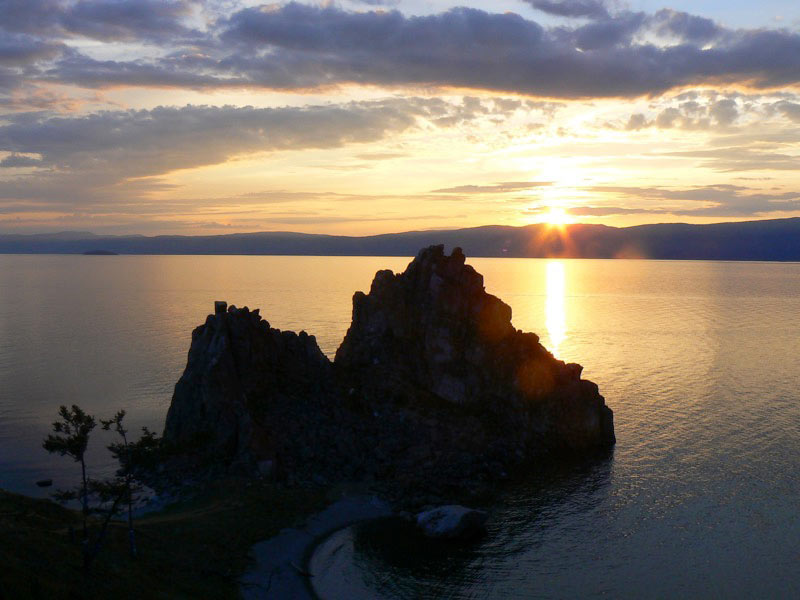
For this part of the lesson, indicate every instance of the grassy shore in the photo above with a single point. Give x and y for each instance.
(195, 549)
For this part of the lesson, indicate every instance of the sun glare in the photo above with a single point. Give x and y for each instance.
(557, 216)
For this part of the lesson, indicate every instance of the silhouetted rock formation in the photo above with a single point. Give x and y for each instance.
(240, 383)
(431, 385)
(434, 330)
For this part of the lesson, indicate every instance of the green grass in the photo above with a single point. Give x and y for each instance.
(196, 549)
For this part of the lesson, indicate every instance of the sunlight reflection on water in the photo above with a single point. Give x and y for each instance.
(698, 360)
(555, 309)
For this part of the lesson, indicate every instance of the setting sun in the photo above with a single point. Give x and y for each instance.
(557, 216)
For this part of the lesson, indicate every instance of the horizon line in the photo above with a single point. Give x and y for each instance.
(372, 235)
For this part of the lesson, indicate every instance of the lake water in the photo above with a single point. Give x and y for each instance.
(700, 362)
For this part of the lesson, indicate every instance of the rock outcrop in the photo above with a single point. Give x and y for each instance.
(434, 331)
(244, 382)
(432, 385)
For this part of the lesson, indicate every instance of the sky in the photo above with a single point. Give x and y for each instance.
(374, 116)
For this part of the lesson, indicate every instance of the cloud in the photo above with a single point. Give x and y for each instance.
(18, 160)
(705, 110)
(17, 50)
(381, 155)
(637, 121)
(496, 188)
(606, 211)
(722, 200)
(84, 153)
(180, 72)
(37, 35)
(296, 46)
(195, 135)
(30, 16)
(125, 20)
(790, 109)
(464, 47)
(107, 20)
(724, 111)
(684, 27)
(734, 159)
(327, 219)
(609, 33)
(124, 152)
(264, 209)
(595, 9)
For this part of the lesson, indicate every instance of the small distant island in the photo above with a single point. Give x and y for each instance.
(100, 253)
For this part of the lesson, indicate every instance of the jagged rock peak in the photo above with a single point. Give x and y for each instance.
(437, 302)
(240, 369)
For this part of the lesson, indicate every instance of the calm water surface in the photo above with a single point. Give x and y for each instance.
(699, 361)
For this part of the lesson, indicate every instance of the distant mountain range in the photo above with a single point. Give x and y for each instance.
(770, 240)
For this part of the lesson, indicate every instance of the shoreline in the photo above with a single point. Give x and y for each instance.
(196, 547)
(280, 567)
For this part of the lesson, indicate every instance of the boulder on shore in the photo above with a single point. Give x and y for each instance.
(432, 387)
(452, 522)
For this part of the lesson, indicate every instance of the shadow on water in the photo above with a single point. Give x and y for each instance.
(390, 558)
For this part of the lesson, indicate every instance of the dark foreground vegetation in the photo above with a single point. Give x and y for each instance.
(195, 549)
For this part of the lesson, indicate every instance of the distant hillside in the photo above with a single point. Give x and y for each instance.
(772, 240)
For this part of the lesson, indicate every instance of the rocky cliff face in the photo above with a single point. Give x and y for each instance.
(434, 331)
(431, 383)
(242, 382)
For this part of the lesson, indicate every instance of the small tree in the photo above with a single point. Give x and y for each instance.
(121, 451)
(70, 437)
(113, 491)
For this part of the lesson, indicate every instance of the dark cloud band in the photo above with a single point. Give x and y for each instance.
(79, 155)
(571, 8)
(298, 46)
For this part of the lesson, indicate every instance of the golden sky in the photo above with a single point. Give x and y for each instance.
(370, 117)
